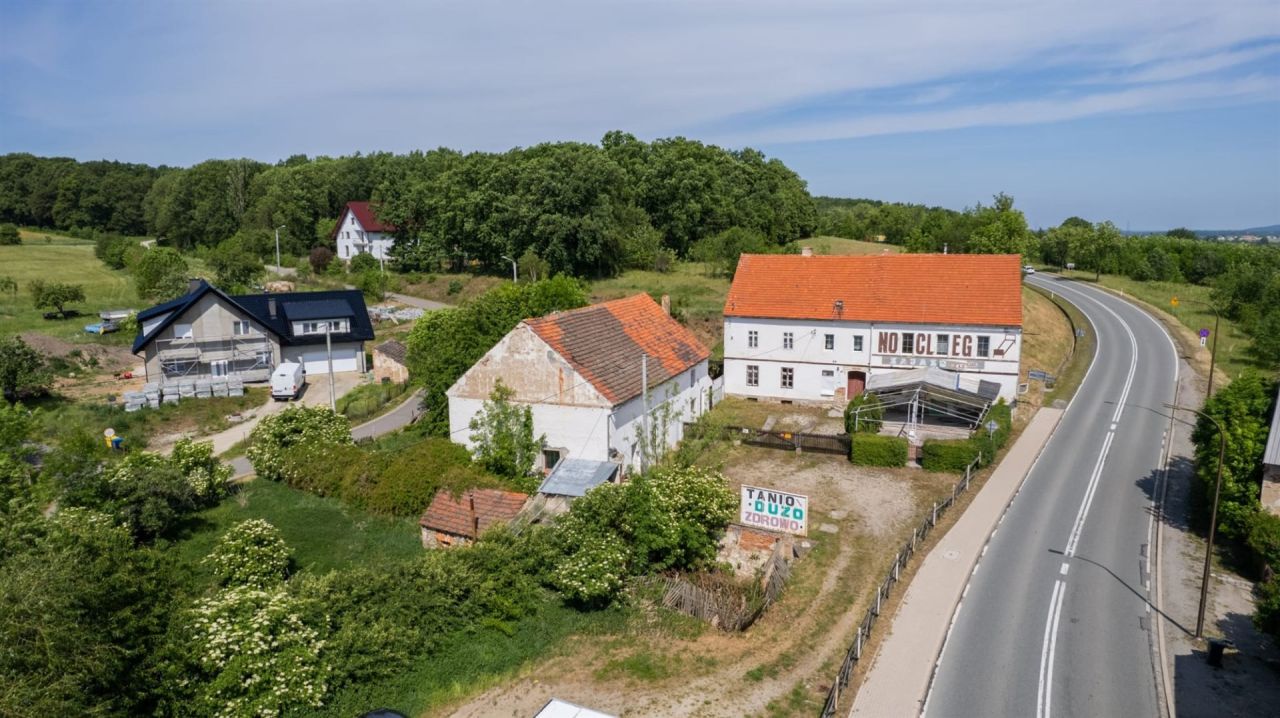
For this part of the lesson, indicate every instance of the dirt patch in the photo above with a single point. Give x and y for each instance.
(783, 664)
(110, 358)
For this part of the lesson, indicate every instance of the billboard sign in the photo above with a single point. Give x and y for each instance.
(774, 510)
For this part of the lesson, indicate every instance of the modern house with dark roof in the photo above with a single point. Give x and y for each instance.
(207, 333)
(581, 373)
(817, 328)
(359, 231)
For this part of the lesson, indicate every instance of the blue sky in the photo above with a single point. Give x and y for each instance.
(1151, 114)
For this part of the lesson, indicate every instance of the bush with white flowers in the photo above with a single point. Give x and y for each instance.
(251, 553)
(257, 655)
(312, 426)
(208, 476)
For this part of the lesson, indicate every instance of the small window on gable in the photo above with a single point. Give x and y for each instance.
(829, 341)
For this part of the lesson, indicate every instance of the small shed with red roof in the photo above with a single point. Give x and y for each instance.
(458, 520)
(582, 373)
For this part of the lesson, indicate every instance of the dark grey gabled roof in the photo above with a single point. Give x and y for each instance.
(289, 307)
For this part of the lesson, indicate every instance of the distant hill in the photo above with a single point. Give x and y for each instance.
(1270, 229)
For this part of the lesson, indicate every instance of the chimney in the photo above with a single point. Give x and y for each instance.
(271, 307)
(666, 304)
(806, 251)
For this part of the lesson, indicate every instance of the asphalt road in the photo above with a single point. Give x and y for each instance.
(1056, 620)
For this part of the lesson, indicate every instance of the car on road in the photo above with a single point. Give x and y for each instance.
(1028, 269)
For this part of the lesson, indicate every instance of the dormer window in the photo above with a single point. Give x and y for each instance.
(335, 326)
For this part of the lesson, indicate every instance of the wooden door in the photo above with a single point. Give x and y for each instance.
(857, 383)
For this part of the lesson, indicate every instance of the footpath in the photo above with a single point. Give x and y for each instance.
(896, 682)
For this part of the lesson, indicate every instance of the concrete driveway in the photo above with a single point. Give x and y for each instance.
(315, 394)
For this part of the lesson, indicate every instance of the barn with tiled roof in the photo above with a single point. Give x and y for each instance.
(584, 373)
(816, 328)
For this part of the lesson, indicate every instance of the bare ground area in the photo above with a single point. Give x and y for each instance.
(780, 666)
(89, 368)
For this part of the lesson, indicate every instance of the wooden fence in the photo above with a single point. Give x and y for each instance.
(787, 440)
(723, 604)
(885, 589)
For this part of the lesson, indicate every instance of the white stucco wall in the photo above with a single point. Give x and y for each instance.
(352, 234)
(686, 395)
(809, 358)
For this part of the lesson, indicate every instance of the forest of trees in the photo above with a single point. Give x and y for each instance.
(585, 209)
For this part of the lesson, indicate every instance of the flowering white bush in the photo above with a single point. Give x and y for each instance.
(594, 572)
(298, 425)
(208, 476)
(251, 553)
(258, 655)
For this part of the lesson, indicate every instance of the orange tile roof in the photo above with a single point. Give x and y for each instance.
(460, 515)
(983, 289)
(604, 342)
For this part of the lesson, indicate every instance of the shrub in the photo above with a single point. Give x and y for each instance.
(251, 553)
(876, 450)
(9, 234)
(208, 477)
(23, 370)
(367, 399)
(502, 434)
(1266, 614)
(321, 470)
(949, 455)
(112, 249)
(361, 263)
(455, 286)
(372, 283)
(864, 414)
(411, 479)
(308, 426)
(1264, 538)
(320, 257)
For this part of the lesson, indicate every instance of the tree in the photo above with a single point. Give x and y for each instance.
(8, 284)
(722, 251)
(234, 264)
(1182, 233)
(297, 425)
(9, 235)
(1243, 409)
(998, 229)
(533, 267)
(161, 274)
(23, 371)
(502, 433)
(372, 283)
(55, 295)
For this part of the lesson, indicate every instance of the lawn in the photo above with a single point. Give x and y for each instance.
(69, 261)
(323, 533)
(1192, 312)
(842, 246)
(1047, 342)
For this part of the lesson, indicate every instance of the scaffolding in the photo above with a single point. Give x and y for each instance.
(250, 357)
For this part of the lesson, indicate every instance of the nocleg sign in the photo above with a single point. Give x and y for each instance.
(774, 510)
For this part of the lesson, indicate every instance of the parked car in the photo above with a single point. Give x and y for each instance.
(287, 381)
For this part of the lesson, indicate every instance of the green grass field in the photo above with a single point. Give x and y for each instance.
(1192, 312)
(842, 246)
(63, 260)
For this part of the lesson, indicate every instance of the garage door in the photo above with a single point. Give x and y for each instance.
(344, 359)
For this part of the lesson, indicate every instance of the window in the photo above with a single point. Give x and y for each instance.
(941, 344)
(829, 341)
(788, 340)
(788, 377)
(857, 342)
(353, 219)
(984, 346)
(181, 331)
(828, 373)
(753, 339)
(908, 343)
(218, 367)
(240, 327)
(753, 375)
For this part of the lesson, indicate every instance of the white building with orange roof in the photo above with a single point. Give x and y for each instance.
(818, 328)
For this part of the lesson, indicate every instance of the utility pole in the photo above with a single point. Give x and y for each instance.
(328, 350)
(278, 247)
(515, 276)
(644, 421)
(1213, 516)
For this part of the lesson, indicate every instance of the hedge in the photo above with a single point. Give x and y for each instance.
(956, 454)
(869, 411)
(876, 450)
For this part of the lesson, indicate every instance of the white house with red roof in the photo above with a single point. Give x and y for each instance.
(359, 231)
(581, 373)
(818, 328)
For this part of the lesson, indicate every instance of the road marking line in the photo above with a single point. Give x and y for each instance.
(1043, 694)
(1064, 569)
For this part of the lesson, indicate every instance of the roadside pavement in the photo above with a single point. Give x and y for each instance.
(900, 671)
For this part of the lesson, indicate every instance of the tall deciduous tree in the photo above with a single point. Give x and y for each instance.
(160, 274)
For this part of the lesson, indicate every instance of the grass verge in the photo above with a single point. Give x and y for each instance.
(1070, 373)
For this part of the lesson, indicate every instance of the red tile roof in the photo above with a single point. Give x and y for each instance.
(368, 219)
(604, 342)
(475, 507)
(983, 289)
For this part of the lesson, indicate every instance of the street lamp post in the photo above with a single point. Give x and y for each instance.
(278, 247)
(515, 277)
(1213, 516)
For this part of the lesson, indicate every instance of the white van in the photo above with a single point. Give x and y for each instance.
(287, 381)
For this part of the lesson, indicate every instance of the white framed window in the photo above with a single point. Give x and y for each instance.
(218, 367)
(942, 344)
(182, 331)
(241, 327)
(857, 342)
(829, 341)
(788, 377)
(753, 339)
(788, 340)
(984, 345)
(908, 343)
(753, 375)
